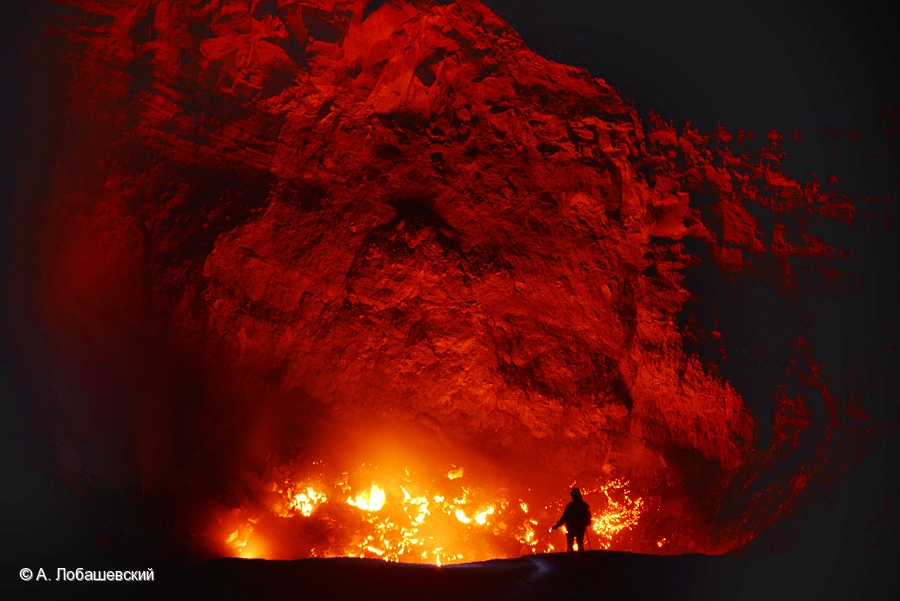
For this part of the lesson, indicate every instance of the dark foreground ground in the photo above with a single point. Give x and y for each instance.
(593, 575)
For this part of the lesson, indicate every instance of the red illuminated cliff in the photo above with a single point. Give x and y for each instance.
(311, 234)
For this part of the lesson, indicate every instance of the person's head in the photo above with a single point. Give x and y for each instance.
(576, 494)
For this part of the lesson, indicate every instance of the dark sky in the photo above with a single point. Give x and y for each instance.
(749, 64)
(756, 65)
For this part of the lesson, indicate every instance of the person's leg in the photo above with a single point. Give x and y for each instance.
(570, 538)
(580, 538)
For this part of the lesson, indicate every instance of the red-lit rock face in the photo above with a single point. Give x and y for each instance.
(322, 226)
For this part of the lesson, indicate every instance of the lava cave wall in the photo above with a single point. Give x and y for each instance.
(272, 223)
(473, 252)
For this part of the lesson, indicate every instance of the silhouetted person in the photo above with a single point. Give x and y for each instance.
(576, 517)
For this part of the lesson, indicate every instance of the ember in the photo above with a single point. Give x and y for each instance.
(414, 517)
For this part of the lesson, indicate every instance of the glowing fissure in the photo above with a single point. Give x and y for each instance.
(409, 517)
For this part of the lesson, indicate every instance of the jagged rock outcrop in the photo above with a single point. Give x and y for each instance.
(400, 213)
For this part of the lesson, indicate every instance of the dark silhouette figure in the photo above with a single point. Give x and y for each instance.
(576, 518)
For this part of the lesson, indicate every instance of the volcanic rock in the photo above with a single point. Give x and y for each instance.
(327, 216)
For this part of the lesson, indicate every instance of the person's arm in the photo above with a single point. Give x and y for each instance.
(564, 517)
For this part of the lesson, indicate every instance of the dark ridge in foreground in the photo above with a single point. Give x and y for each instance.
(558, 576)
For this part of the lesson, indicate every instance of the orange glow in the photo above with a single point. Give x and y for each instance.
(456, 472)
(241, 540)
(255, 548)
(371, 500)
(305, 502)
(622, 511)
(402, 515)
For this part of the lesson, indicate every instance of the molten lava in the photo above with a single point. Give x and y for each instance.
(414, 517)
